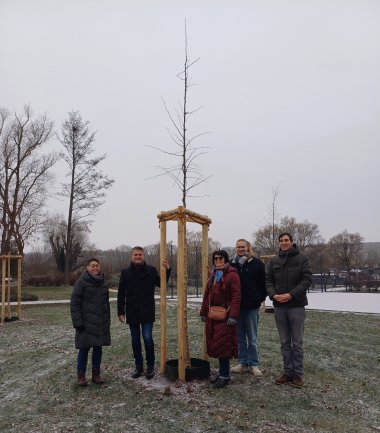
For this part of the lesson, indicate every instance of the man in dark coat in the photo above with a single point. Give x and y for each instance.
(136, 306)
(251, 271)
(288, 277)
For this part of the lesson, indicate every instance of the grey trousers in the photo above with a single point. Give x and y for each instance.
(290, 326)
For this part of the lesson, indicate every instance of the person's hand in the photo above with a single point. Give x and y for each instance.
(165, 263)
(122, 318)
(285, 297)
(231, 321)
(79, 328)
(203, 318)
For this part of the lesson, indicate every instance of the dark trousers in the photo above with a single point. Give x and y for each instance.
(224, 368)
(83, 357)
(290, 325)
(146, 330)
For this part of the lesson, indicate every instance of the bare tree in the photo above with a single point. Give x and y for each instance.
(346, 249)
(55, 237)
(305, 234)
(185, 174)
(87, 185)
(24, 176)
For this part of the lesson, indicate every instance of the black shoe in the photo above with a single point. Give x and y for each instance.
(138, 372)
(221, 382)
(149, 372)
(213, 379)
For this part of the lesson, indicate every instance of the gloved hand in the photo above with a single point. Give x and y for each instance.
(203, 318)
(231, 321)
(79, 328)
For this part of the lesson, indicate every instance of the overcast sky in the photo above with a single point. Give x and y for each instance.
(290, 90)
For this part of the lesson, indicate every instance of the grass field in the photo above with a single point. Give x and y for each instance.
(38, 391)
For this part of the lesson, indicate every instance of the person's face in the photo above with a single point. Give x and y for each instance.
(219, 261)
(241, 248)
(93, 267)
(285, 243)
(137, 257)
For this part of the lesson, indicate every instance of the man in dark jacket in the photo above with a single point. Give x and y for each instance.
(136, 306)
(251, 271)
(288, 277)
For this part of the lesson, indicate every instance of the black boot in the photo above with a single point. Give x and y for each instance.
(221, 382)
(138, 371)
(149, 372)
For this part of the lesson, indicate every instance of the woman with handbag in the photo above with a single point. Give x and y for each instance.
(220, 311)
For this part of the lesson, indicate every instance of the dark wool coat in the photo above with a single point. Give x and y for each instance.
(252, 281)
(289, 272)
(221, 339)
(90, 308)
(135, 297)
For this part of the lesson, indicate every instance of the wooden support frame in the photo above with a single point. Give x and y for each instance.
(6, 285)
(182, 216)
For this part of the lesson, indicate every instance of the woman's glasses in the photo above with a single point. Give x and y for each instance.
(218, 258)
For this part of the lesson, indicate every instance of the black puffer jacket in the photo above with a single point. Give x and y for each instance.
(289, 272)
(135, 297)
(252, 280)
(90, 308)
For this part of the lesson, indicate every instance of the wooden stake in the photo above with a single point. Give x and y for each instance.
(180, 295)
(204, 277)
(19, 269)
(3, 271)
(163, 247)
(9, 288)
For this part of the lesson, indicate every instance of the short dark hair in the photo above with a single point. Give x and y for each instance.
(222, 253)
(93, 259)
(137, 249)
(281, 235)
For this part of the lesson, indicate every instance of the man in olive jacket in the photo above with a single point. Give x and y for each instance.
(136, 306)
(288, 276)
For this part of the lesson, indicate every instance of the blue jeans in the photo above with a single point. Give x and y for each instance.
(224, 368)
(248, 323)
(290, 326)
(83, 357)
(147, 329)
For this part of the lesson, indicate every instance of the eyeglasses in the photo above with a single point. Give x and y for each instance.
(218, 258)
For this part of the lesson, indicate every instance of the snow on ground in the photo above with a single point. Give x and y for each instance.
(327, 301)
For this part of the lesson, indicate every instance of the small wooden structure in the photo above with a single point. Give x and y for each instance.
(6, 285)
(182, 215)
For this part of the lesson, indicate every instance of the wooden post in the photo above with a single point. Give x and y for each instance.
(204, 277)
(3, 271)
(182, 216)
(163, 295)
(180, 295)
(9, 288)
(19, 269)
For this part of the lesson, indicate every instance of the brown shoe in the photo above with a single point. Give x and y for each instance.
(96, 378)
(282, 380)
(297, 382)
(81, 381)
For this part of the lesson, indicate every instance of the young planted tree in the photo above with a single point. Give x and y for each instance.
(87, 185)
(24, 176)
(185, 172)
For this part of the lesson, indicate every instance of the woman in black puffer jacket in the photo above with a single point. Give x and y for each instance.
(90, 314)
